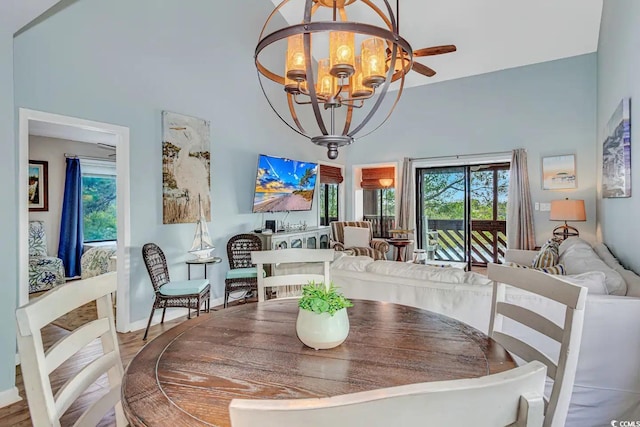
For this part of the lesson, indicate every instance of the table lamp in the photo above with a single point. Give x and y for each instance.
(567, 210)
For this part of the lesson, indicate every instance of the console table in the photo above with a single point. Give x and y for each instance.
(311, 238)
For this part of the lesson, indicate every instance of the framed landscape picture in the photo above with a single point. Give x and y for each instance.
(38, 186)
(616, 154)
(559, 172)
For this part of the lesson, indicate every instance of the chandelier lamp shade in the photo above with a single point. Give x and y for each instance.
(335, 70)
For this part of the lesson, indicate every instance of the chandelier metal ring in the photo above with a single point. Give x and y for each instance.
(301, 82)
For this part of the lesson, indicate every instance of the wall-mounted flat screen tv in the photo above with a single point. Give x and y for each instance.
(284, 185)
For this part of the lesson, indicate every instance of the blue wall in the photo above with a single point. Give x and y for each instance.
(547, 108)
(124, 62)
(619, 77)
(8, 217)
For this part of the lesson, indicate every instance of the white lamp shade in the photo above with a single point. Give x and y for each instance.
(567, 210)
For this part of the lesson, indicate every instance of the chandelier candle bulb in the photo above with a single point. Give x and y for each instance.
(358, 89)
(342, 51)
(373, 62)
(295, 58)
(326, 84)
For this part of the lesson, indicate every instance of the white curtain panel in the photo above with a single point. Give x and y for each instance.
(406, 212)
(520, 233)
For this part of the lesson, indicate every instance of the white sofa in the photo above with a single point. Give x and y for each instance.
(607, 385)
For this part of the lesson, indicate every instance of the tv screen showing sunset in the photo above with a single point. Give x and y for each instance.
(284, 185)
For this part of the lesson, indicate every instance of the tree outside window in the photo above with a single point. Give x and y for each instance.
(99, 207)
(328, 203)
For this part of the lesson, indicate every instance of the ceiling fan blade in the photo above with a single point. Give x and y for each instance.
(435, 50)
(423, 69)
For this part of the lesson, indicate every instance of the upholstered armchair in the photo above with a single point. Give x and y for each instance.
(96, 261)
(45, 272)
(359, 242)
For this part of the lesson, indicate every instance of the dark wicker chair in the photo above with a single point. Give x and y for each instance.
(185, 293)
(242, 275)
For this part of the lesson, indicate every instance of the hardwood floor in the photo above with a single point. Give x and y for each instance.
(17, 415)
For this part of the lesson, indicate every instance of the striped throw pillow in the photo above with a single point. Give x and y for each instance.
(555, 269)
(548, 255)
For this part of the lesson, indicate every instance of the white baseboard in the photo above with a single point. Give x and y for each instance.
(172, 313)
(9, 397)
(17, 359)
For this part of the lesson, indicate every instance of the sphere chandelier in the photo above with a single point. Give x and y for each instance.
(321, 68)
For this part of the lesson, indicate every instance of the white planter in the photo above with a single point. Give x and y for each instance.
(322, 331)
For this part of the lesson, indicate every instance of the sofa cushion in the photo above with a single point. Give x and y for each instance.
(548, 255)
(631, 279)
(605, 254)
(578, 257)
(356, 237)
(352, 263)
(555, 269)
(592, 280)
(417, 271)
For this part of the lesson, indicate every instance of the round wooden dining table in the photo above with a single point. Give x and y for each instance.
(188, 375)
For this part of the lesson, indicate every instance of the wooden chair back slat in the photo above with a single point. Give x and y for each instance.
(98, 409)
(68, 346)
(77, 385)
(510, 397)
(525, 351)
(531, 319)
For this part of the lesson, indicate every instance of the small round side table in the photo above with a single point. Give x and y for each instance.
(203, 262)
(400, 245)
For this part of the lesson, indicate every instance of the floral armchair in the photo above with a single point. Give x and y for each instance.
(96, 261)
(45, 272)
(376, 248)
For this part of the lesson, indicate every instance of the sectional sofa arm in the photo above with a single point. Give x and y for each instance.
(380, 245)
(520, 256)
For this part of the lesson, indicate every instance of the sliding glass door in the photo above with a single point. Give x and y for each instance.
(442, 208)
(463, 208)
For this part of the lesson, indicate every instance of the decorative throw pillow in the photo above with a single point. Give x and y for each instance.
(356, 237)
(554, 269)
(548, 255)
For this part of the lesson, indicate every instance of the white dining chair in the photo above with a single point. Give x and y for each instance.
(510, 397)
(568, 335)
(262, 258)
(37, 364)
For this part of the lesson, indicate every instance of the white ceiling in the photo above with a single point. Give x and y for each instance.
(15, 14)
(490, 35)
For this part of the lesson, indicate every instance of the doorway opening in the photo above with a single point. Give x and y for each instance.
(71, 128)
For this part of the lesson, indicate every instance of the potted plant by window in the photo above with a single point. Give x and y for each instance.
(322, 319)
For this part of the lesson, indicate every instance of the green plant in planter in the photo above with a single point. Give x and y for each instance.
(319, 298)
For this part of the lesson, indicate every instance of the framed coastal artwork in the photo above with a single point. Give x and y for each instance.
(186, 178)
(38, 186)
(616, 153)
(559, 172)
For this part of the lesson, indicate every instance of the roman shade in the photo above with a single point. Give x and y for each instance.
(330, 175)
(371, 177)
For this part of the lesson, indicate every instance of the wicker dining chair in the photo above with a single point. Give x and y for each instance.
(242, 275)
(190, 294)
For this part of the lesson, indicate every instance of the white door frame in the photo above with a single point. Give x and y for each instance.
(121, 135)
